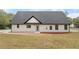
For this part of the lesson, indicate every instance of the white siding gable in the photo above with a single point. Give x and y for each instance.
(33, 20)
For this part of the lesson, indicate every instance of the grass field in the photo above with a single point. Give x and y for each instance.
(69, 40)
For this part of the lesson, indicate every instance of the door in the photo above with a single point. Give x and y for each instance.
(37, 28)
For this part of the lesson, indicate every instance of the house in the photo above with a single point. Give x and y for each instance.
(40, 21)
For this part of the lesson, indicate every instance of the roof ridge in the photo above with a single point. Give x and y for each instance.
(39, 11)
(43, 16)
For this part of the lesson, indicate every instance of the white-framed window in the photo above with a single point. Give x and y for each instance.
(50, 27)
(56, 27)
(65, 26)
(17, 25)
(28, 26)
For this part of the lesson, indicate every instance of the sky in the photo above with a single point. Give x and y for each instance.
(73, 13)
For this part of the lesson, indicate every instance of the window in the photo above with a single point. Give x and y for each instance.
(65, 26)
(17, 25)
(56, 27)
(50, 27)
(28, 26)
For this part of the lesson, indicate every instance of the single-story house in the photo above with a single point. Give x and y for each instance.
(40, 21)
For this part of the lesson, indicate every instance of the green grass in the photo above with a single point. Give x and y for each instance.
(70, 40)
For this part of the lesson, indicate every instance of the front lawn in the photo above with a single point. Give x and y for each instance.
(68, 40)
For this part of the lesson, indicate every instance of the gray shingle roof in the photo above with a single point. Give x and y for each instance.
(46, 17)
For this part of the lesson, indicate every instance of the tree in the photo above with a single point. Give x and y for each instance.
(76, 22)
(70, 19)
(5, 19)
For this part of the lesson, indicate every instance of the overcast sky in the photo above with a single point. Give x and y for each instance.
(70, 12)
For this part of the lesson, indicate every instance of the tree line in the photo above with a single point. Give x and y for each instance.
(74, 21)
(5, 19)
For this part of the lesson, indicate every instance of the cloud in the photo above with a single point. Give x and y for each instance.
(73, 15)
